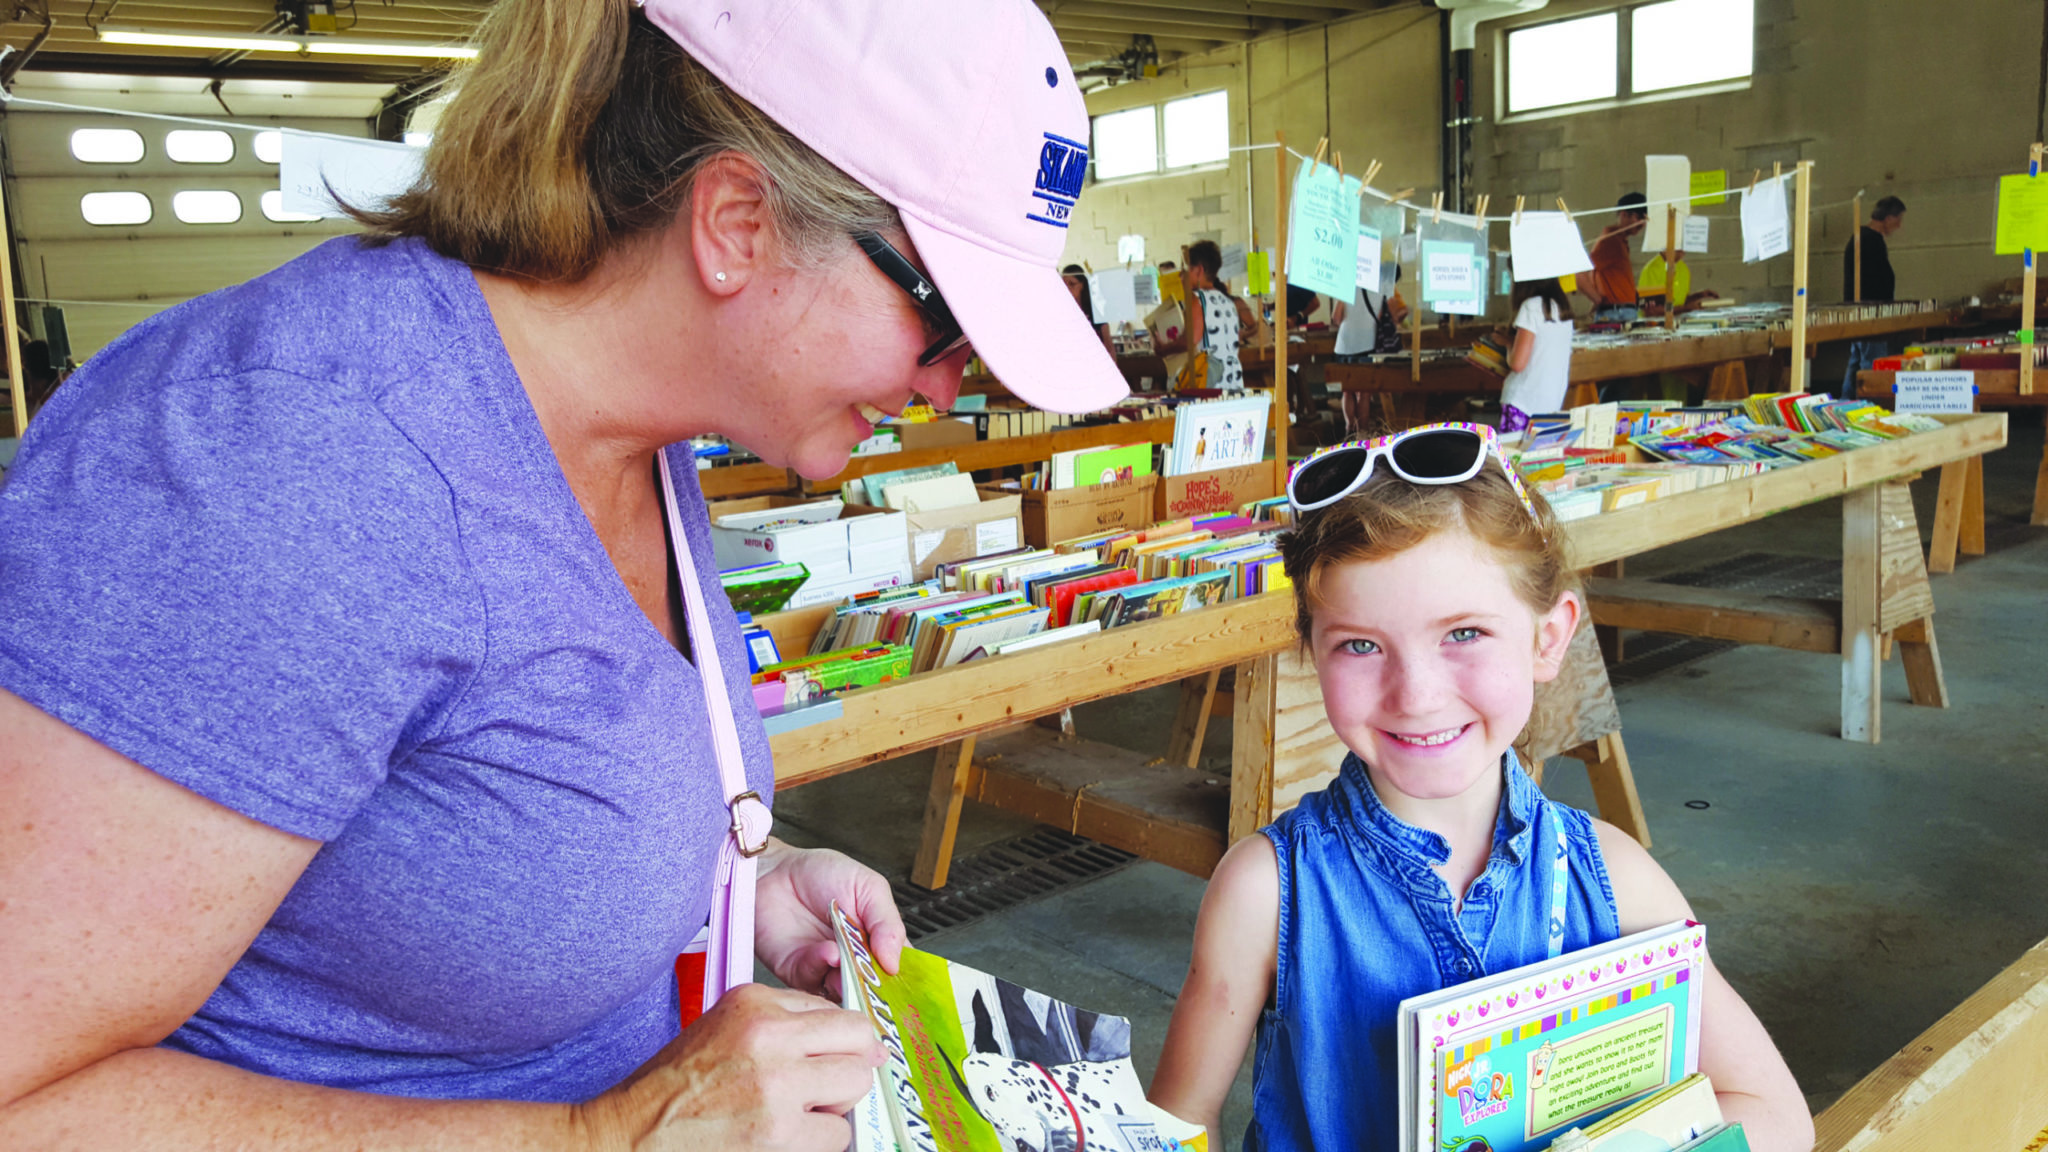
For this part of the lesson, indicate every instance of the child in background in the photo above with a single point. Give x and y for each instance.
(1540, 361)
(1432, 594)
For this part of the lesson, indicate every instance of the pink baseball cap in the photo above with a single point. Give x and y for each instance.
(965, 116)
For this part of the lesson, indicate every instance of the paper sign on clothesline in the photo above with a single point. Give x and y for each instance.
(1369, 258)
(1446, 271)
(1705, 184)
(1235, 264)
(1130, 249)
(1696, 233)
(1932, 392)
(361, 173)
(1666, 178)
(1766, 227)
(1145, 289)
(1115, 297)
(1546, 245)
(1475, 303)
(1322, 231)
(2022, 214)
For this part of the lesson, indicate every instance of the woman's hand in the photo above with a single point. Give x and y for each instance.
(765, 1069)
(793, 915)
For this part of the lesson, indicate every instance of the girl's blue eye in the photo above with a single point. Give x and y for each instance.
(1358, 647)
(1465, 635)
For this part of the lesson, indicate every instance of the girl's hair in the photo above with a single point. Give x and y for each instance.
(1558, 306)
(1389, 515)
(1204, 254)
(580, 127)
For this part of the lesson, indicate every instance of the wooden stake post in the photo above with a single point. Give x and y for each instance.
(1856, 238)
(1671, 267)
(2027, 308)
(17, 393)
(1802, 240)
(1279, 286)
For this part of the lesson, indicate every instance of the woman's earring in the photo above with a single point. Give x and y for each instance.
(721, 277)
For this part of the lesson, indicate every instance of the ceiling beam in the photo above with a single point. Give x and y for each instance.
(200, 68)
(1213, 37)
(1226, 23)
(1311, 10)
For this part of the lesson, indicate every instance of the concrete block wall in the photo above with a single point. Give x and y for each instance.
(1370, 83)
(1928, 102)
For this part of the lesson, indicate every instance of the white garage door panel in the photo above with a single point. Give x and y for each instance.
(157, 269)
(49, 209)
(39, 144)
(161, 262)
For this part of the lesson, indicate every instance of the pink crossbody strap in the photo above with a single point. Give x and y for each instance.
(729, 961)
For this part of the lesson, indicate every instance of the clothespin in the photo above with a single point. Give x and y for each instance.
(1371, 170)
(1563, 207)
(1403, 194)
(1479, 209)
(1436, 208)
(1777, 169)
(1322, 147)
(1337, 158)
(1518, 209)
(1755, 175)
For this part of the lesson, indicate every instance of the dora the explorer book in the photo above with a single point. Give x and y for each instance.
(981, 1064)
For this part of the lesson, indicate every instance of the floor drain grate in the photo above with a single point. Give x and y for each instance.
(1652, 654)
(1005, 875)
(1767, 574)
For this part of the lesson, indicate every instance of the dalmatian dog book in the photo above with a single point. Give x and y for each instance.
(1507, 1063)
(978, 1064)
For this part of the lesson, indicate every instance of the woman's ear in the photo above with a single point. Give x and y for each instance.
(731, 226)
(1554, 631)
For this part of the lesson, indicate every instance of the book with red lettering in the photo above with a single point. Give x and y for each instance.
(973, 1063)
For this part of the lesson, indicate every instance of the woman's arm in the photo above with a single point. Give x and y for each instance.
(1229, 980)
(1525, 347)
(128, 899)
(1750, 1078)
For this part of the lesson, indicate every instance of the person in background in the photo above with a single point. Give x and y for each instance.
(1611, 285)
(1879, 284)
(1372, 324)
(1167, 320)
(1301, 304)
(373, 726)
(1540, 360)
(1077, 283)
(1213, 317)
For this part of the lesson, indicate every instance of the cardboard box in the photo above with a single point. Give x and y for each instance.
(994, 525)
(861, 543)
(1223, 490)
(939, 433)
(1050, 517)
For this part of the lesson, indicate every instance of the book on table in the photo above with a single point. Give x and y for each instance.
(975, 1062)
(1516, 1059)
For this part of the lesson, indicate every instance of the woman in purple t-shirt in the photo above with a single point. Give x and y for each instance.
(355, 761)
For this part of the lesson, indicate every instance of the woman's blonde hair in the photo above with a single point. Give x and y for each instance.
(579, 127)
(1389, 515)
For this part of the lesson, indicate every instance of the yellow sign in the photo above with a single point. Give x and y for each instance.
(1258, 273)
(2022, 215)
(1651, 282)
(1705, 182)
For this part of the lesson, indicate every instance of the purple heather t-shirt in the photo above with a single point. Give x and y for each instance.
(302, 547)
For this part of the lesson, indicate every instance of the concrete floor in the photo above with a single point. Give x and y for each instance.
(1855, 893)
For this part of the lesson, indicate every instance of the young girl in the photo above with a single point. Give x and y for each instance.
(1540, 362)
(1432, 593)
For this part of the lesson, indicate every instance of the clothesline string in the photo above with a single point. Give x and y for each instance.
(11, 100)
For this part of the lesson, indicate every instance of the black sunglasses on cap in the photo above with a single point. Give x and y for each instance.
(897, 267)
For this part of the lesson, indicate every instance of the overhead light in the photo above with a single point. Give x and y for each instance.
(259, 42)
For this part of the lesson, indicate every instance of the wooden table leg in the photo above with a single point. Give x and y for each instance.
(951, 767)
(1614, 785)
(1607, 634)
(1861, 670)
(1255, 704)
(1971, 538)
(1948, 517)
(1191, 721)
(1922, 658)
